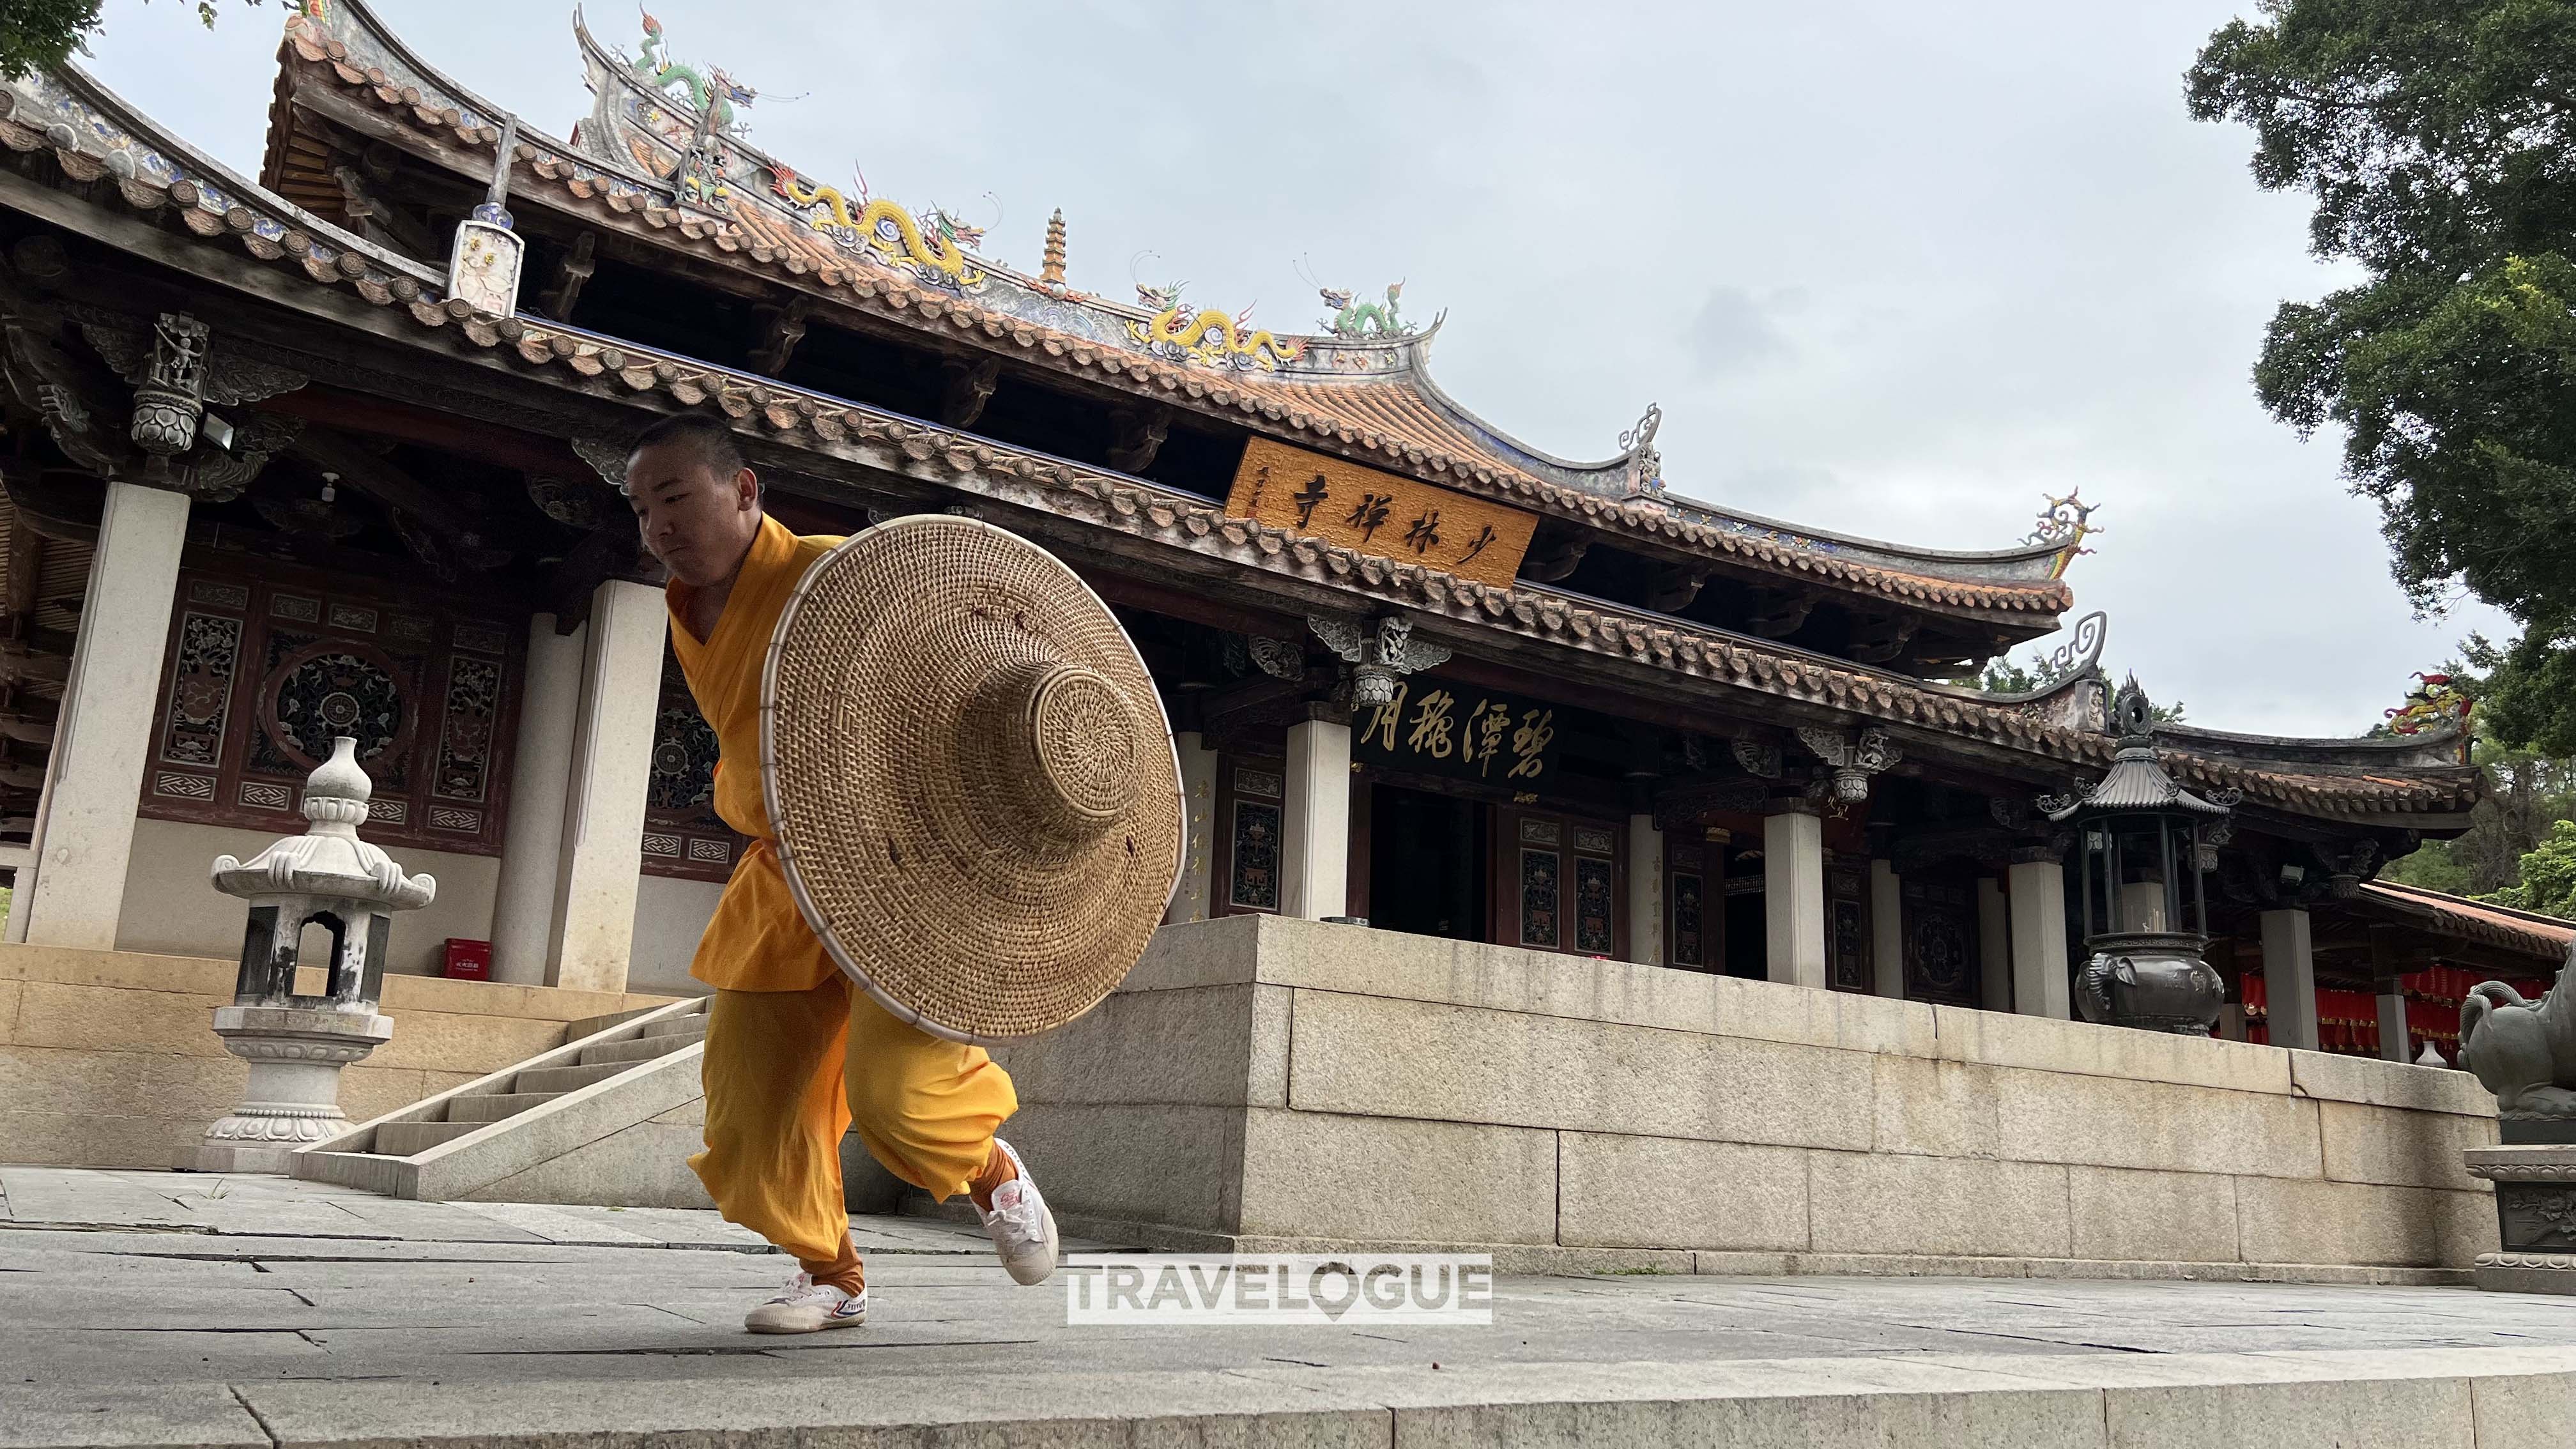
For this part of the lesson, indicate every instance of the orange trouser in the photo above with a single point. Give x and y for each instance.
(788, 1072)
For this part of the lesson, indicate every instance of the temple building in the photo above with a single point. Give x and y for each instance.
(333, 451)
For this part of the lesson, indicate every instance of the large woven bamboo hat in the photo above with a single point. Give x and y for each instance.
(971, 778)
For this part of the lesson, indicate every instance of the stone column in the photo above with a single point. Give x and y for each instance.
(84, 834)
(612, 764)
(523, 911)
(1886, 930)
(1315, 838)
(1191, 899)
(1793, 893)
(2289, 979)
(2392, 1024)
(1645, 891)
(1994, 946)
(2037, 885)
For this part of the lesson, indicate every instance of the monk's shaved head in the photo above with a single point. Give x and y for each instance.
(702, 438)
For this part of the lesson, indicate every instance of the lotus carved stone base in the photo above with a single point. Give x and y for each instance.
(293, 1097)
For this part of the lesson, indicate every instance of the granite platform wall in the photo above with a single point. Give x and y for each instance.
(1270, 1084)
(109, 1058)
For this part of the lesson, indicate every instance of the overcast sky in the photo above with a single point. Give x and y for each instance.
(1890, 268)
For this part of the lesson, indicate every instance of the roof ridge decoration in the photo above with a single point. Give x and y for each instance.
(651, 118)
(2064, 524)
(37, 113)
(1373, 392)
(2071, 691)
(1353, 318)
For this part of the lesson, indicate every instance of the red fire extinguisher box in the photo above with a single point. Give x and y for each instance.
(469, 960)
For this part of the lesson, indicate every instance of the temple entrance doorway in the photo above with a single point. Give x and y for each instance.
(1426, 863)
(1747, 932)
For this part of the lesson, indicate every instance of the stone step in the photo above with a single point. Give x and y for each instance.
(566, 1079)
(638, 1049)
(494, 1106)
(693, 1025)
(409, 1139)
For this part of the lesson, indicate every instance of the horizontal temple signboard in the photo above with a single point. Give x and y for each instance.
(1380, 513)
(1434, 728)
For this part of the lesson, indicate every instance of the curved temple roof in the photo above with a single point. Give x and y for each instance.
(91, 136)
(657, 156)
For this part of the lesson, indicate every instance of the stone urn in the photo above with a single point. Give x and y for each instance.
(2153, 980)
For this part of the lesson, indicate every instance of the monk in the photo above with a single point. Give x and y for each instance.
(795, 1056)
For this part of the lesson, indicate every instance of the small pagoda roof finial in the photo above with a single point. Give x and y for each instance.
(329, 859)
(1051, 270)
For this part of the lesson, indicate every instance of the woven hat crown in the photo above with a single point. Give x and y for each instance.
(977, 803)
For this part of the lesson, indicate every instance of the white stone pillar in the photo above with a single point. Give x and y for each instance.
(2289, 979)
(1191, 898)
(1793, 894)
(2037, 888)
(84, 834)
(1315, 839)
(523, 909)
(2392, 1025)
(2142, 906)
(612, 765)
(1994, 946)
(1886, 930)
(1645, 891)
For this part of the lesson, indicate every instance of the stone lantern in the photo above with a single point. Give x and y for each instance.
(296, 1044)
(2140, 838)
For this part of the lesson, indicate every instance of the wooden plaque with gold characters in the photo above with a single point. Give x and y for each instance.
(1380, 513)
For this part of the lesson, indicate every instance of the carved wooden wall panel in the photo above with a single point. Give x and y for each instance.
(265, 664)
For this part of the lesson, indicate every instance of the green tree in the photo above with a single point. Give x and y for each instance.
(2548, 882)
(35, 34)
(2434, 137)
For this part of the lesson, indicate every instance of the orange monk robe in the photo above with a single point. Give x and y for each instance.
(795, 1054)
(757, 940)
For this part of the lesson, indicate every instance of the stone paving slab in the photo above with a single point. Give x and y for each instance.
(153, 1308)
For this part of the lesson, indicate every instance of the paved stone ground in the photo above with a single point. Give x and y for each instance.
(140, 1308)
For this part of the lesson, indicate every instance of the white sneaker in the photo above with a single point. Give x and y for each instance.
(1022, 1230)
(805, 1306)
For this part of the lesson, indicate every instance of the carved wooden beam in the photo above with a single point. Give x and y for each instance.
(1140, 434)
(56, 504)
(614, 551)
(969, 386)
(26, 563)
(570, 274)
(27, 719)
(1673, 588)
(778, 343)
(1878, 640)
(1781, 613)
(378, 220)
(36, 655)
(1552, 564)
(386, 482)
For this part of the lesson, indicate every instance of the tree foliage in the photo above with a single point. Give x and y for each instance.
(2548, 883)
(2436, 138)
(36, 34)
